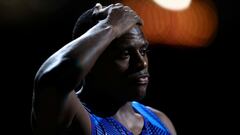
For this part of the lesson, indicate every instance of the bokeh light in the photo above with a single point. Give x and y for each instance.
(194, 26)
(174, 4)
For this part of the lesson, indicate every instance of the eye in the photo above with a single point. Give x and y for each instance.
(125, 54)
(143, 51)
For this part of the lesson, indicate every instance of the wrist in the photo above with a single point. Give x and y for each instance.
(111, 29)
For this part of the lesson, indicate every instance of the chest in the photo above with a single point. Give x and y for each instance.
(110, 126)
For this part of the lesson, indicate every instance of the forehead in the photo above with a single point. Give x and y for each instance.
(134, 38)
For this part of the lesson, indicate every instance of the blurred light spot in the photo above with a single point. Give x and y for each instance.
(173, 4)
(193, 27)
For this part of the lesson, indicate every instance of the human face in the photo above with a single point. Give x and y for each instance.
(122, 70)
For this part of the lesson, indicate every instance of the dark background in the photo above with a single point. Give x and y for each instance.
(196, 88)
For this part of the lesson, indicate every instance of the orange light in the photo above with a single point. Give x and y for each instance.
(194, 26)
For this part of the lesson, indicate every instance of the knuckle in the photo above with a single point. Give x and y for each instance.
(118, 4)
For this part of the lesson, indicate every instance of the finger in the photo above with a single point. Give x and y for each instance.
(98, 6)
(118, 4)
(139, 20)
(127, 8)
(102, 12)
(107, 8)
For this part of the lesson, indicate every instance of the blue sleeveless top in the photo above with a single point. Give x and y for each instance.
(110, 126)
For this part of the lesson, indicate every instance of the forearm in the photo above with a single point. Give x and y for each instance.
(75, 59)
(86, 49)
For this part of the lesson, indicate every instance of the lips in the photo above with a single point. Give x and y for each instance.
(139, 78)
(142, 80)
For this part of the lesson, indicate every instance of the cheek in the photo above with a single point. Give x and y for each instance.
(114, 72)
(121, 65)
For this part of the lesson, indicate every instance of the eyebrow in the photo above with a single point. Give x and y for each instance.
(145, 44)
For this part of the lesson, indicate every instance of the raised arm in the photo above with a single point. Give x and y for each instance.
(55, 104)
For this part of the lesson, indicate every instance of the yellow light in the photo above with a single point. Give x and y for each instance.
(173, 4)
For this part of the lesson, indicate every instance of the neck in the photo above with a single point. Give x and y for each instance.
(126, 109)
(129, 118)
(103, 105)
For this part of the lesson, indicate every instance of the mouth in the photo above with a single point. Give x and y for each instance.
(142, 79)
(139, 78)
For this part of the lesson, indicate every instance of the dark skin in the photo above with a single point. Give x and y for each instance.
(112, 57)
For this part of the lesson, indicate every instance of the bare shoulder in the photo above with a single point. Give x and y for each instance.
(164, 118)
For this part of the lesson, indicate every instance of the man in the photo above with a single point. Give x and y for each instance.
(108, 60)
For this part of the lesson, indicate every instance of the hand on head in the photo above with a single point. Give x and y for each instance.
(121, 18)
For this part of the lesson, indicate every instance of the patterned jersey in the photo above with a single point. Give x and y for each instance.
(110, 126)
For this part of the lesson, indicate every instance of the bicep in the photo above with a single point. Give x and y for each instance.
(54, 111)
(55, 103)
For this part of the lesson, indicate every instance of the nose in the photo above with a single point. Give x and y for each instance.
(140, 62)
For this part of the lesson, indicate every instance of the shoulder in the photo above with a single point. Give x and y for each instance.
(163, 117)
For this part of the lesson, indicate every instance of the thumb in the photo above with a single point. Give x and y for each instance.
(98, 6)
(101, 12)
